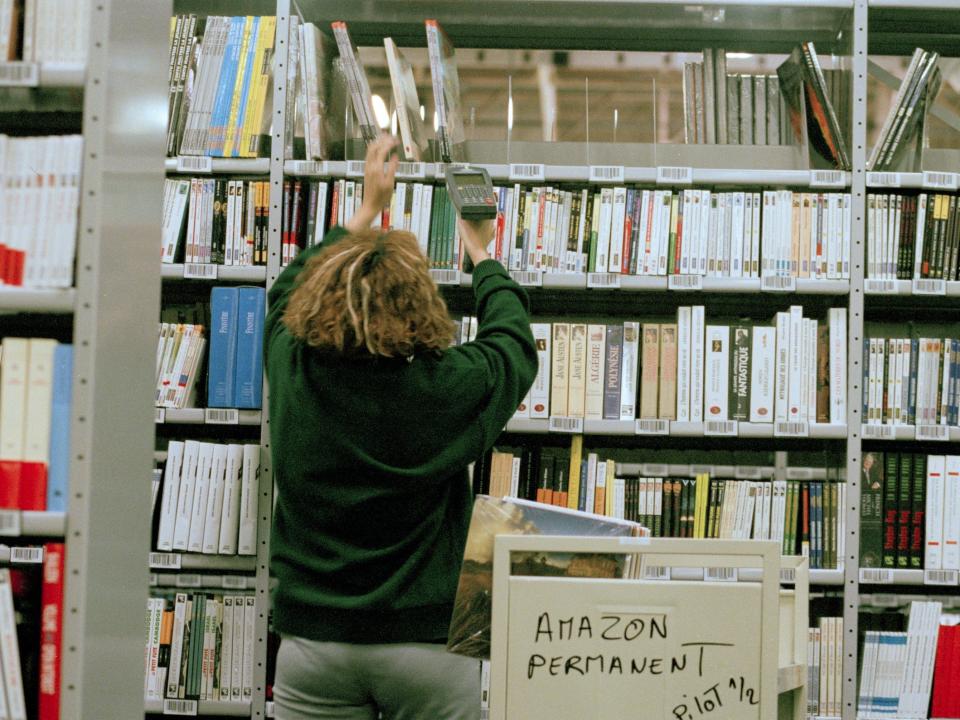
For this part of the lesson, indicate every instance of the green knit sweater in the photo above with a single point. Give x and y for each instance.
(370, 461)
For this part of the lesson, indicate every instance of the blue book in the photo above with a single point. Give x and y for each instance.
(58, 471)
(248, 387)
(224, 310)
(224, 96)
(247, 65)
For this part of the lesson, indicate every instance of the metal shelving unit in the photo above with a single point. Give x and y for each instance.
(37, 301)
(225, 273)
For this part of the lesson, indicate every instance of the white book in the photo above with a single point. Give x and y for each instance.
(201, 491)
(758, 510)
(867, 674)
(723, 234)
(188, 480)
(582, 230)
(835, 215)
(540, 391)
(39, 400)
(812, 328)
(778, 510)
(618, 221)
(768, 248)
(755, 236)
(951, 513)
(686, 231)
(936, 501)
(697, 233)
(697, 330)
(515, 477)
(153, 690)
(767, 492)
(628, 373)
(14, 364)
(762, 362)
(249, 501)
(176, 644)
(560, 370)
(576, 395)
(782, 368)
(596, 346)
(215, 496)
(736, 240)
(713, 231)
(170, 495)
(226, 648)
(603, 233)
(249, 641)
(207, 649)
(684, 348)
(706, 205)
(239, 623)
(10, 651)
(837, 318)
(413, 224)
(644, 232)
(921, 225)
(512, 252)
(663, 230)
(717, 373)
(592, 469)
(795, 400)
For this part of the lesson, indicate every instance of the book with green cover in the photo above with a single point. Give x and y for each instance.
(871, 510)
(890, 499)
(904, 509)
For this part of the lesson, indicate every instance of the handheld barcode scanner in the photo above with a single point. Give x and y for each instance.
(471, 193)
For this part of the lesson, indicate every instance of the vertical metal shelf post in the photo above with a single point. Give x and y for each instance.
(851, 563)
(111, 427)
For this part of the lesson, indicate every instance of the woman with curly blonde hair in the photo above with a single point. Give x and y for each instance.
(374, 418)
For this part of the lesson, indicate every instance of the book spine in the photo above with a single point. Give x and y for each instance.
(560, 370)
(697, 360)
(667, 403)
(890, 509)
(630, 359)
(596, 341)
(683, 363)
(716, 400)
(223, 347)
(576, 398)
(51, 632)
(540, 391)
(871, 510)
(612, 372)
(248, 384)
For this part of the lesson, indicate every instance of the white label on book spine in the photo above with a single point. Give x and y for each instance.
(939, 433)
(656, 572)
(685, 282)
(311, 167)
(940, 577)
(189, 580)
(879, 287)
(527, 278)
(603, 281)
(827, 178)
(652, 427)
(9, 523)
(443, 167)
(883, 179)
(876, 576)
(674, 176)
(179, 707)
(221, 416)
(791, 429)
(939, 180)
(720, 574)
(194, 164)
(164, 561)
(160, 415)
(527, 171)
(788, 575)
(879, 432)
(26, 555)
(445, 277)
(773, 283)
(19, 74)
(412, 170)
(234, 582)
(606, 173)
(199, 271)
(724, 428)
(356, 168)
(561, 424)
(929, 286)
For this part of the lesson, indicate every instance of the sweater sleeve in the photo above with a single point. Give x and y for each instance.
(280, 291)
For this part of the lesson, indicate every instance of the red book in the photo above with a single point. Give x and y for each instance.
(10, 484)
(941, 706)
(51, 631)
(33, 486)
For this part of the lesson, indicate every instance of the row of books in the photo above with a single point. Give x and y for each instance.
(690, 371)
(39, 194)
(898, 669)
(235, 378)
(910, 511)
(913, 236)
(200, 646)
(911, 381)
(220, 70)
(224, 222)
(180, 348)
(825, 668)
(208, 498)
(36, 380)
(44, 31)
(31, 631)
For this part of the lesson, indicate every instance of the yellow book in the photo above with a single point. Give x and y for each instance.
(261, 82)
(230, 132)
(702, 509)
(611, 471)
(576, 455)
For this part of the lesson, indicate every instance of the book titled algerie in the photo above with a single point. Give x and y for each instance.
(470, 624)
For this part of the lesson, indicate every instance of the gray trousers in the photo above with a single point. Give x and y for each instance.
(405, 681)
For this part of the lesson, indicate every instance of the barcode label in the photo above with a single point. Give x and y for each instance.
(876, 576)
(747, 473)
(940, 577)
(164, 561)
(221, 416)
(562, 424)
(940, 180)
(9, 523)
(356, 168)
(701, 470)
(788, 575)
(652, 470)
(880, 432)
(200, 271)
(721, 427)
(442, 168)
(194, 164)
(153, 580)
(414, 170)
(311, 167)
(799, 473)
(189, 580)
(656, 572)
(526, 278)
(928, 286)
(720, 574)
(827, 178)
(883, 600)
(234, 582)
(652, 427)
(445, 277)
(19, 74)
(268, 710)
(26, 555)
(606, 173)
(883, 179)
(879, 287)
(939, 433)
(606, 281)
(160, 415)
(778, 284)
(675, 175)
(179, 707)
(791, 429)
(685, 282)
(527, 172)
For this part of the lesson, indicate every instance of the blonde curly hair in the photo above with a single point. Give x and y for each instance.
(370, 293)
